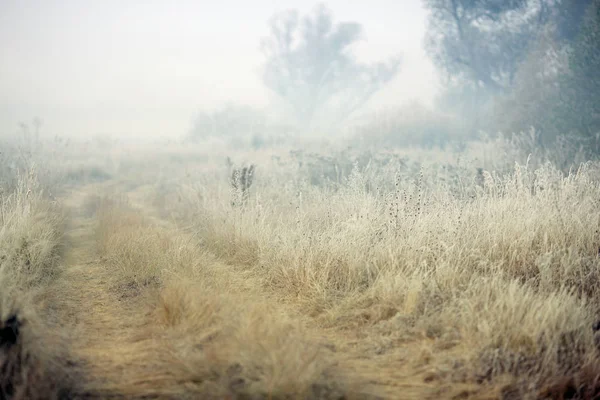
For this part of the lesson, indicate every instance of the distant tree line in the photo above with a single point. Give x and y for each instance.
(507, 66)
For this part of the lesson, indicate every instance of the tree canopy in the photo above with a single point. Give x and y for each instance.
(309, 65)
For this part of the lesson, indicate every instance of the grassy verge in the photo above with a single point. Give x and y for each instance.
(34, 357)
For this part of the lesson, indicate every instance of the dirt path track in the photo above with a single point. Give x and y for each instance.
(110, 334)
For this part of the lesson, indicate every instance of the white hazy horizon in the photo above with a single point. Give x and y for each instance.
(145, 68)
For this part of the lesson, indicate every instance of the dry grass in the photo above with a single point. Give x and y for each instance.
(30, 236)
(35, 361)
(394, 279)
(187, 325)
(507, 272)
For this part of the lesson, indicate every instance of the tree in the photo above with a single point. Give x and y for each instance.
(521, 64)
(485, 41)
(568, 18)
(580, 88)
(534, 98)
(505, 57)
(481, 42)
(309, 65)
(557, 87)
(478, 46)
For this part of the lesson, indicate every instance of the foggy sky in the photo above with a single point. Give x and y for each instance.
(133, 67)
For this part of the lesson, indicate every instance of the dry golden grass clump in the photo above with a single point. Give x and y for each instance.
(30, 235)
(34, 358)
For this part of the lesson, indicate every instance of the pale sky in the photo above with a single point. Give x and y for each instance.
(133, 67)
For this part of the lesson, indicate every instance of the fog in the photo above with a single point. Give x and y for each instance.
(260, 199)
(145, 68)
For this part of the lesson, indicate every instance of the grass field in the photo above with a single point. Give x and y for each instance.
(167, 272)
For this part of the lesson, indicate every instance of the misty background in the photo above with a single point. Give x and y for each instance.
(420, 72)
(147, 67)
